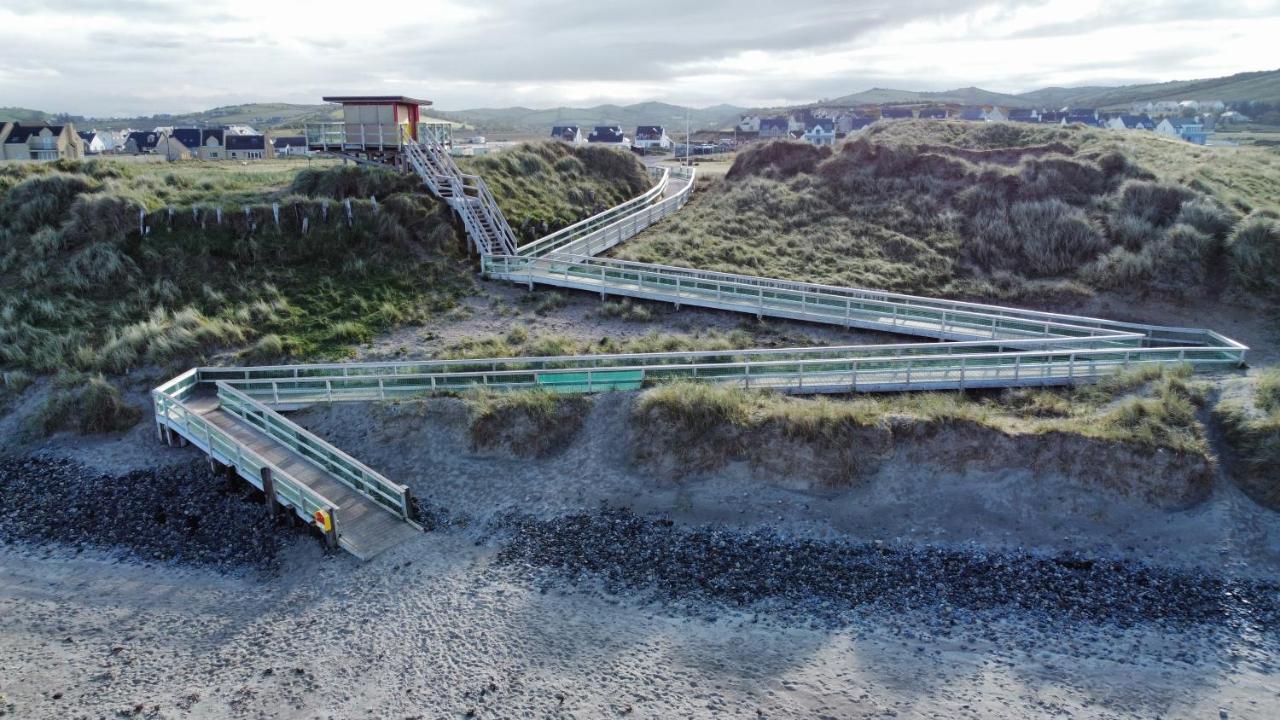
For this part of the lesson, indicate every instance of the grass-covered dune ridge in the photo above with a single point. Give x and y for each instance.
(102, 273)
(542, 187)
(992, 210)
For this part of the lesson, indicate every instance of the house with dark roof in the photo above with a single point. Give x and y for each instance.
(973, 113)
(289, 145)
(93, 142)
(651, 136)
(1130, 122)
(571, 134)
(1026, 115)
(41, 142)
(1084, 116)
(858, 124)
(199, 143)
(143, 142)
(774, 127)
(607, 135)
(821, 131)
(247, 147)
(896, 113)
(1052, 116)
(932, 114)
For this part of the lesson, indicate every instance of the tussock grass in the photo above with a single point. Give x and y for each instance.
(1253, 435)
(1163, 415)
(519, 343)
(999, 211)
(87, 405)
(542, 187)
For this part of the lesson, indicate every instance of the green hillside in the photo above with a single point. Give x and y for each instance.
(1257, 86)
(628, 116)
(959, 96)
(17, 114)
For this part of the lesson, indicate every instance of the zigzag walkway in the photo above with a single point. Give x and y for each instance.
(232, 413)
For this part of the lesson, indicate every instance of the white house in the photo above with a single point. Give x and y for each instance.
(651, 136)
(571, 134)
(93, 141)
(821, 131)
(995, 114)
(749, 123)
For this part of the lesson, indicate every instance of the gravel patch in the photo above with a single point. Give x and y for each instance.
(837, 581)
(184, 513)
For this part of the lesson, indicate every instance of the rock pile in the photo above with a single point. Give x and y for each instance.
(838, 579)
(186, 513)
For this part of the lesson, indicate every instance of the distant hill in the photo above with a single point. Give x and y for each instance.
(17, 114)
(628, 116)
(1258, 86)
(960, 96)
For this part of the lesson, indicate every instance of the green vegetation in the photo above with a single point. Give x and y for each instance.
(1150, 407)
(351, 251)
(1252, 431)
(518, 343)
(988, 210)
(542, 187)
(531, 423)
(87, 405)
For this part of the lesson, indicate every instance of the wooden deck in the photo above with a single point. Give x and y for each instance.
(364, 527)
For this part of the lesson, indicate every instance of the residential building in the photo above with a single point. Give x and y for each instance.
(608, 135)
(290, 145)
(651, 136)
(858, 124)
(932, 113)
(200, 143)
(774, 127)
(973, 113)
(896, 113)
(1054, 117)
(821, 131)
(40, 142)
(749, 123)
(94, 143)
(1130, 122)
(571, 134)
(1025, 115)
(1192, 131)
(142, 142)
(995, 114)
(1084, 116)
(248, 147)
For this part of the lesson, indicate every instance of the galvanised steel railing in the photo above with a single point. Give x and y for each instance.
(933, 366)
(172, 413)
(341, 466)
(559, 239)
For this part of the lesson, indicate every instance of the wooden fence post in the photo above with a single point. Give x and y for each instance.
(269, 489)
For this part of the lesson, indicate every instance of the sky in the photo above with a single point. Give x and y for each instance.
(139, 57)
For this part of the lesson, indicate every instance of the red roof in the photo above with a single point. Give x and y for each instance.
(374, 100)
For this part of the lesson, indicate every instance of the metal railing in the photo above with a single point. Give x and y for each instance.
(173, 413)
(341, 466)
(379, 136)
(565, 236)
(839, 369)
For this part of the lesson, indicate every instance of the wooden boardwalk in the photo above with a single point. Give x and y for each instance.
(364, 527)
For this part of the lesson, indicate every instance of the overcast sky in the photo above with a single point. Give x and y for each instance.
(129, 57)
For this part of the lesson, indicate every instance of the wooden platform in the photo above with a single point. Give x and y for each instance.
(364, 527)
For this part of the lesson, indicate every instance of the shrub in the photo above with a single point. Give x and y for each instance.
(1207, 216)
(1254, 253)
(89, 406)
(1157, 203)
(1056, 238)
(1133, 232)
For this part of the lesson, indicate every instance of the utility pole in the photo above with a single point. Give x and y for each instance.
(687, 147)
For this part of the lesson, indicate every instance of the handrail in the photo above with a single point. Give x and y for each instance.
(555, 239)
(247, 462)
(344, 468)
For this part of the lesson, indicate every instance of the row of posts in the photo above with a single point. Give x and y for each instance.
(145, 229)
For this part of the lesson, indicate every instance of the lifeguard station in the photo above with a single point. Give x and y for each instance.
(374, 127)
(388, 129)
